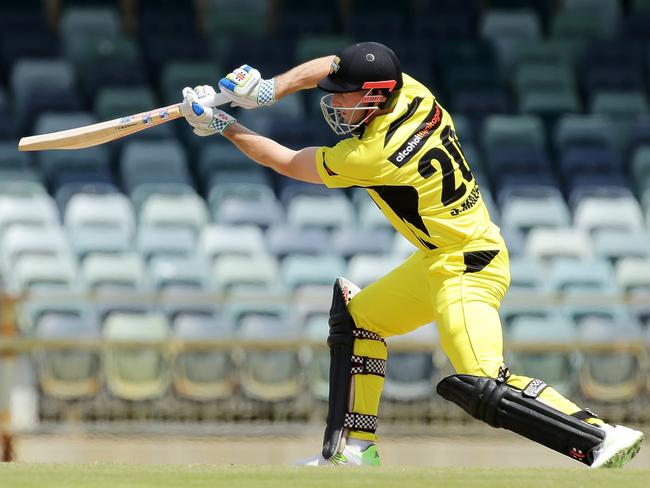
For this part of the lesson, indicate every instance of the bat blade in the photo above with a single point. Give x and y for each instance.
(95, 134)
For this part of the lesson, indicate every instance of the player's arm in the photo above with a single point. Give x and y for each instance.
(299, 165)
(206, 121)
(302, 77)
(246, 87)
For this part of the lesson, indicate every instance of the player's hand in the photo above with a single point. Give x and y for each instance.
(247, 89)
(206, 121)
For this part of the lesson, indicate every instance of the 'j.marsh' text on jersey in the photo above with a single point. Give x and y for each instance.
(411, 163)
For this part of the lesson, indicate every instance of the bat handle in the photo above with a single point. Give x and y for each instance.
(213, 101)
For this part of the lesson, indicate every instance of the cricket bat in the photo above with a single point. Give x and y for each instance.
(92, 135)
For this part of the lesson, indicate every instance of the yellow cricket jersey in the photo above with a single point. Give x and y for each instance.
(411, 163)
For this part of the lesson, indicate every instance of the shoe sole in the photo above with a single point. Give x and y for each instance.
(624, 455)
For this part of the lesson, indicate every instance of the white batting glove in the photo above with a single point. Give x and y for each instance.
(246, 88)
(206, 121)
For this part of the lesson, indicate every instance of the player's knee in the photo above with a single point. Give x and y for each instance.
(341, 323)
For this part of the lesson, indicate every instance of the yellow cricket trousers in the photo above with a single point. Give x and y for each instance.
(461, 289)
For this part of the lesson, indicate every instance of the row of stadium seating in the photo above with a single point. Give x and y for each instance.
(282, 373)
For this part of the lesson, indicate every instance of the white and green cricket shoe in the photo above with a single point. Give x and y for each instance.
(620, 445)
(351, 455)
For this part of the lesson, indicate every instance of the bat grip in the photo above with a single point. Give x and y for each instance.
(213, 100)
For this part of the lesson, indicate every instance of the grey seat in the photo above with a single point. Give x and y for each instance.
(157, 241)
(283, 240)
(88, 240)
(297, 271)
(136, 373)
(556, 368)
(199, 373)
(611, 376)
(242, 240)
(153, 162)
(364, 269)
(350, 241)
(69, 373)
(274, 375)
(409, 375)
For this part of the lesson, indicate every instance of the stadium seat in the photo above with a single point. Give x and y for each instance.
(40, 273)
(610, 376)
(153, 162)
(220, 240)
(178, 273)
(574, 278)
(365, 269)
(314, 46)
(24, 241)
(282, 240)
(350, 241)
(583, 26)
(33, 209)
(221, 155)
(270, 375)
(87, 240)
(514, 239)
(242, 273)
(409, 374)
(576, 130)
(185, 211)
(554, 54)
(171, 190)
(120, 272)
(402, 248)
(83, 23)
(614, 244)
(199, 373)
(557, 368)
(239, 211)
(136, 373)
(157, 241)
(248, 16)
(177, 75)
(551, 243)
(525, 208)
(633, 273)
(299, 270)
(69, 373)
(613, 213)
(513, 130)
(54, 82)
(111, 210)
(321, 212)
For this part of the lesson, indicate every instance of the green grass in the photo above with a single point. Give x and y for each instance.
(20, 475)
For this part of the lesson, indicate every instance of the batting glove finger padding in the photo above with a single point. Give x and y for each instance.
(206, 121)
(247, 89)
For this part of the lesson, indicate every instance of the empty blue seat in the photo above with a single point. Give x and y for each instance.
(611, 376)
(409, 374)
(270, 375)
(299, 270)
(350, 241)
(70, 373)
(202, 374)
(527, 207)
(580, 130)
(282, 240)
(614, 244)
(153, 162)
(557, 368)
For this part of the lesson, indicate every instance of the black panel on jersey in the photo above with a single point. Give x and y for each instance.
(475, 261)
(403, 200)
(416, 140)
(395, 124)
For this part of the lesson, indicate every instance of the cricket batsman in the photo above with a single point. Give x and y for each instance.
(401, 146)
